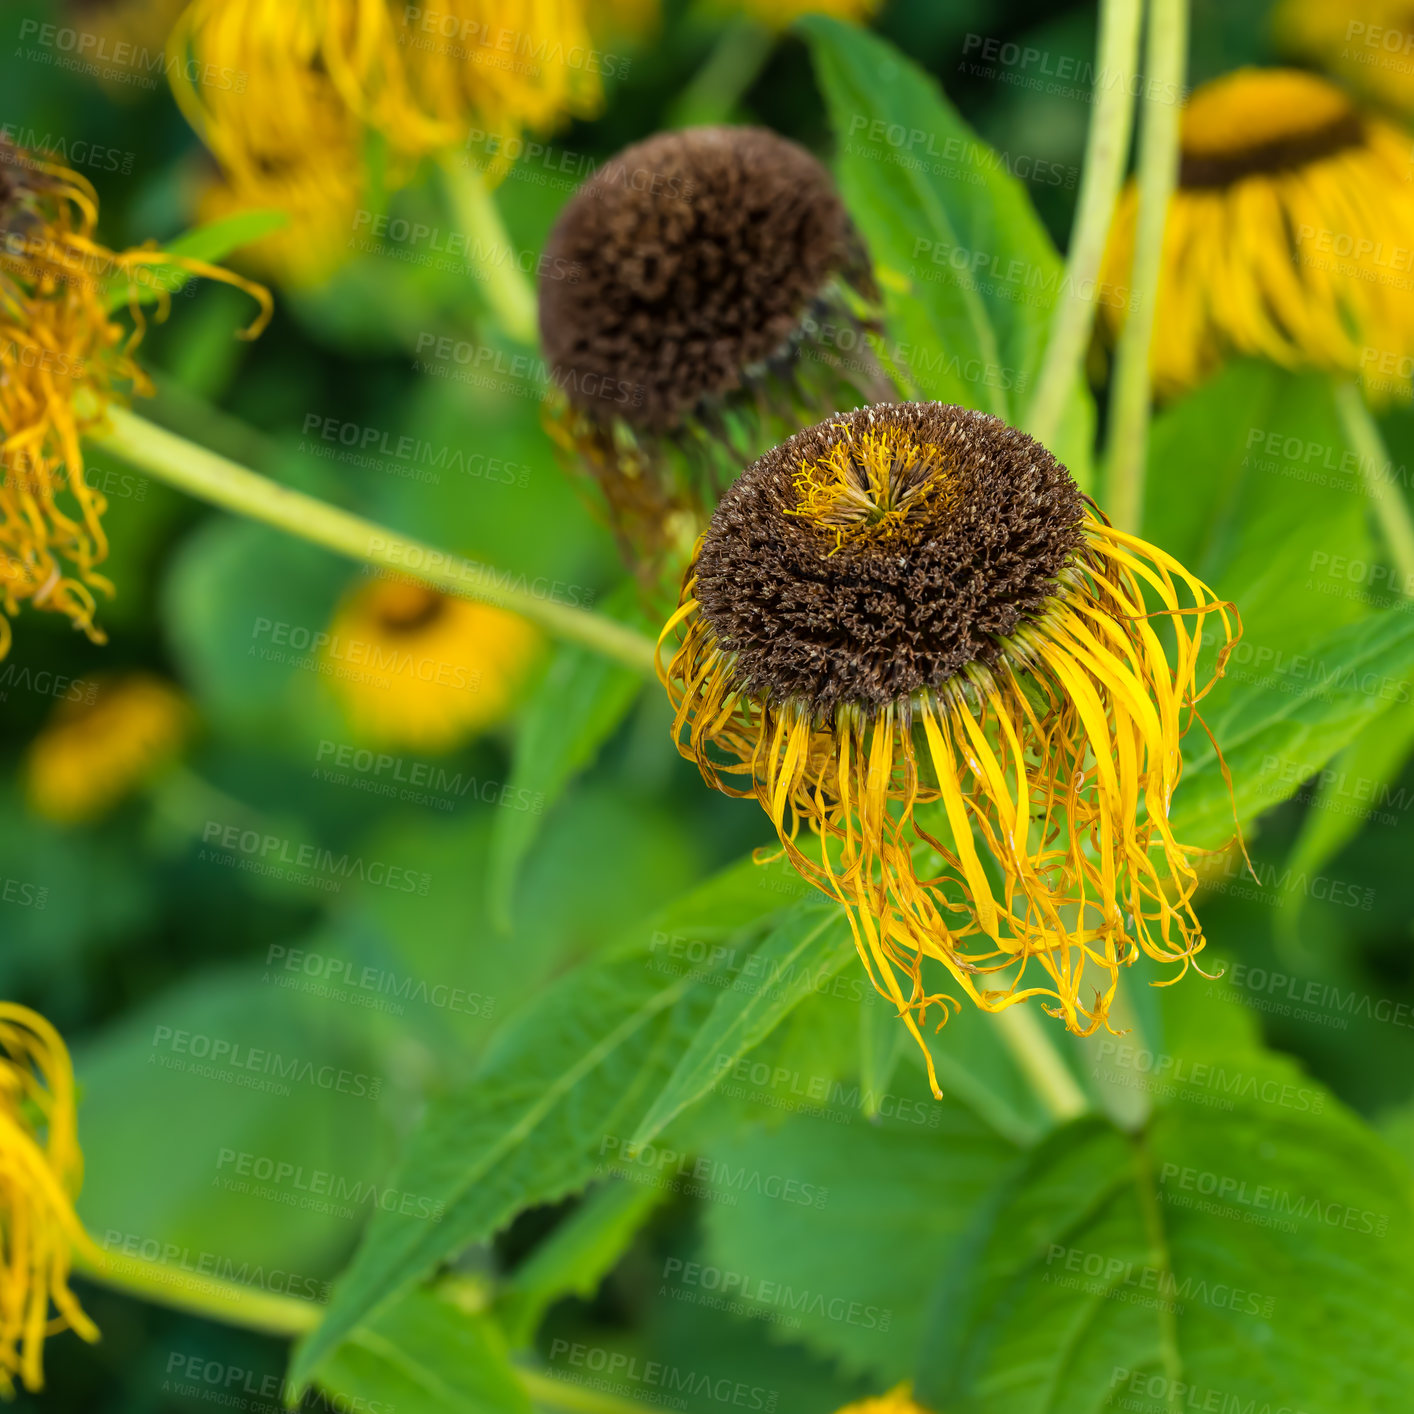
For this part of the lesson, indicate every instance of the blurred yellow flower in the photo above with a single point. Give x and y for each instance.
(1368, 44)
(424, 670)
(62, 359)
(897, 1401)
(1283, 238)
(97, 748)
(41, 1171)
(906, 631)
(293, 96)
(781, 14)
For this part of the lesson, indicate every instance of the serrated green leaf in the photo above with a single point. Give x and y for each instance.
(557, 1095)
(575, 708)
(210, 243)
(807, 947)
(1305, 709)
(969, 274)
(426, 1355)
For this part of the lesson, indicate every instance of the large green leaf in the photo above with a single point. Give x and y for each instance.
(580, 701)
(803, 952)
(969, 274)
(426, 1355)
(1250, 1248)
(1302, 708)
(554, 1102)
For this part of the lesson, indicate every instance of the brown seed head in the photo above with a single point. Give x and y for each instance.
(883, 550)
(683, 261)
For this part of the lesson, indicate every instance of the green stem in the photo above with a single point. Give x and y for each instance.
(1129, 1107)
(1391, 509)
(1106, 152)
(489, 251)
(201, 1295)
(545, 1389)
(732, 67)
(1040, 1062)
(1166, 62)
(235, 488)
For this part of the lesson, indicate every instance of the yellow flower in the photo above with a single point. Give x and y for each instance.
(420, 669)
(62, 359)
(1368, 44)
(909, 633)
(40, 1178)
(97, 747)
(703, 294)
(1290, 209)
(897, 1401)
(288, 93)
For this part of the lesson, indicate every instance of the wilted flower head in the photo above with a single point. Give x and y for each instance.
(907, 631)
(1367, 43)
(286, 96)
(695, 278)
(416, 668)
(102, 743)
(41, 1170)
(1289, 206)
(63, 357)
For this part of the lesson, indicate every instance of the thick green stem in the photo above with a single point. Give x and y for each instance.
(1165, 62)
(1391, 509)
(1040, 1062)
(199, 1294)
(1106, 152)
(490, 254)
(732, 67)
(235, 488)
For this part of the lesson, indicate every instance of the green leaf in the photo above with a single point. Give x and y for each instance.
(835, 1235)
(577, 1255)
(1349, 790)
(426, 1354)
(969, 274)
(806, 948)
(576, 707)
(1251, 1249)
(1306, 708)
(209, 243)
(555, 1099)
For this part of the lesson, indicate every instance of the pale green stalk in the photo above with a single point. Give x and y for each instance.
(1391, 509)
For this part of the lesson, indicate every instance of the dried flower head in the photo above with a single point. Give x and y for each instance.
(907, 631)
(102, 743)
(41, 1170)
(689, 281)
(420, 669)
(286, 97)
(1289, 206)
(63, 358)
